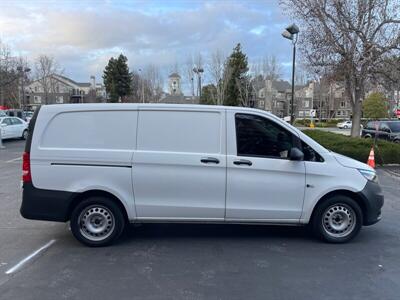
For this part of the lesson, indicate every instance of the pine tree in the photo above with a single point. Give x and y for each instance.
(235, 70)
(208, 94)
(117, 78)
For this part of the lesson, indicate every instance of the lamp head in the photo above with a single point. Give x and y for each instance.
(293, 29)
(287, 35)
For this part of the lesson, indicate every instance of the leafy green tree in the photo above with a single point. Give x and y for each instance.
(208, 94)
(117, 78)
(235, 72)
(375, 106)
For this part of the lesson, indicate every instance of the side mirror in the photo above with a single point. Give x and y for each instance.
(296, 154)
(3, 124)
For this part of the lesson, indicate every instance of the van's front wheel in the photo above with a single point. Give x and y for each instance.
(97, 221)
(337, 220)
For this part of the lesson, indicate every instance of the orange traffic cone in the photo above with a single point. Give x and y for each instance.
(371, 158)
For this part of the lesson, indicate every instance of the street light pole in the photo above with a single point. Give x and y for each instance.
(192, 79)
(291, 33)
(23, 71)
(293, 73)
(198, 71)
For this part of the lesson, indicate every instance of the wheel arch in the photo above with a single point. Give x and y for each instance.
(96, 193)
(355, 196)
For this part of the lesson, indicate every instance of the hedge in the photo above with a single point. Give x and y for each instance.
(357, 148)
(317, 123)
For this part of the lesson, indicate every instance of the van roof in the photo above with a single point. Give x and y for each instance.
(130, 106)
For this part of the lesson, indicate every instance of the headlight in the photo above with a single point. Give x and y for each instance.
(369, 175)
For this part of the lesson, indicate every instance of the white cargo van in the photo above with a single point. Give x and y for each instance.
(101, 166)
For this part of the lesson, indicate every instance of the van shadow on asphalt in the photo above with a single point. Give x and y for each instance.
(219, 231)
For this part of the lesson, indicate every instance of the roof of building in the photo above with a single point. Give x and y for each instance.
(281, 85)
(81, 84)
(174, 75)
(68, 81)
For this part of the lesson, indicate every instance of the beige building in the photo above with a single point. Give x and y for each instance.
(274, 97)
(57, 89)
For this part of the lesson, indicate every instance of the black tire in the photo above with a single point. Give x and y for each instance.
(328, 213)
(107, 213)
(24, 134)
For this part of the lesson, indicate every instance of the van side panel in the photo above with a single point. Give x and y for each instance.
(179, 168)
(77, 151)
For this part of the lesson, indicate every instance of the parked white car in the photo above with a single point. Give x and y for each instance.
(344, 125)
(13, 127)
(101, 166)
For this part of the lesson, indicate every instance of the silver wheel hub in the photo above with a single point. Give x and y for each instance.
(96, 223)
(339, 220)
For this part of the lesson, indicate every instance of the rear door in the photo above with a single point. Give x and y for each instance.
(179, 168)
(262, 183)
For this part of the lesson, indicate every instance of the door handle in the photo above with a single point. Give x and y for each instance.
(207, 160)
(242, 162)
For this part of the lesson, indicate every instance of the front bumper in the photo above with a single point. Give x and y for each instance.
(373, 199)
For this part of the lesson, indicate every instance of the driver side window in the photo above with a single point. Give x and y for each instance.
(258, 136)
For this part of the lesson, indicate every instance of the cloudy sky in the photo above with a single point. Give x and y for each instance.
(83, 35)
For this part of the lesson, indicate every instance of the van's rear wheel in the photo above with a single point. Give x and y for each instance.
(337, 220)
(97, 221)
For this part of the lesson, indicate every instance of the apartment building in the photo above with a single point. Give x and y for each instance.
(60, 89)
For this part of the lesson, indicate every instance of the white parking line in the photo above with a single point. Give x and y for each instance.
(29, 257)
(12, 160)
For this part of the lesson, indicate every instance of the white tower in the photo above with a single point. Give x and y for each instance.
(174, 84)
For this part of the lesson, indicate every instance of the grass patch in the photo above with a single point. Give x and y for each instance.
(357, 148)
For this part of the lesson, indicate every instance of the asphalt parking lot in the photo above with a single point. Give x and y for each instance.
(168, 261)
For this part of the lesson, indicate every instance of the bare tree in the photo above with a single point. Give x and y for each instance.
(351, 37)
(224, 83)
(271, 68)
(175, 68)
(8, 77)
(45, 68)
(216, 70)
(388, 76)
(189, 74)
(245, 89)
(153, 82)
